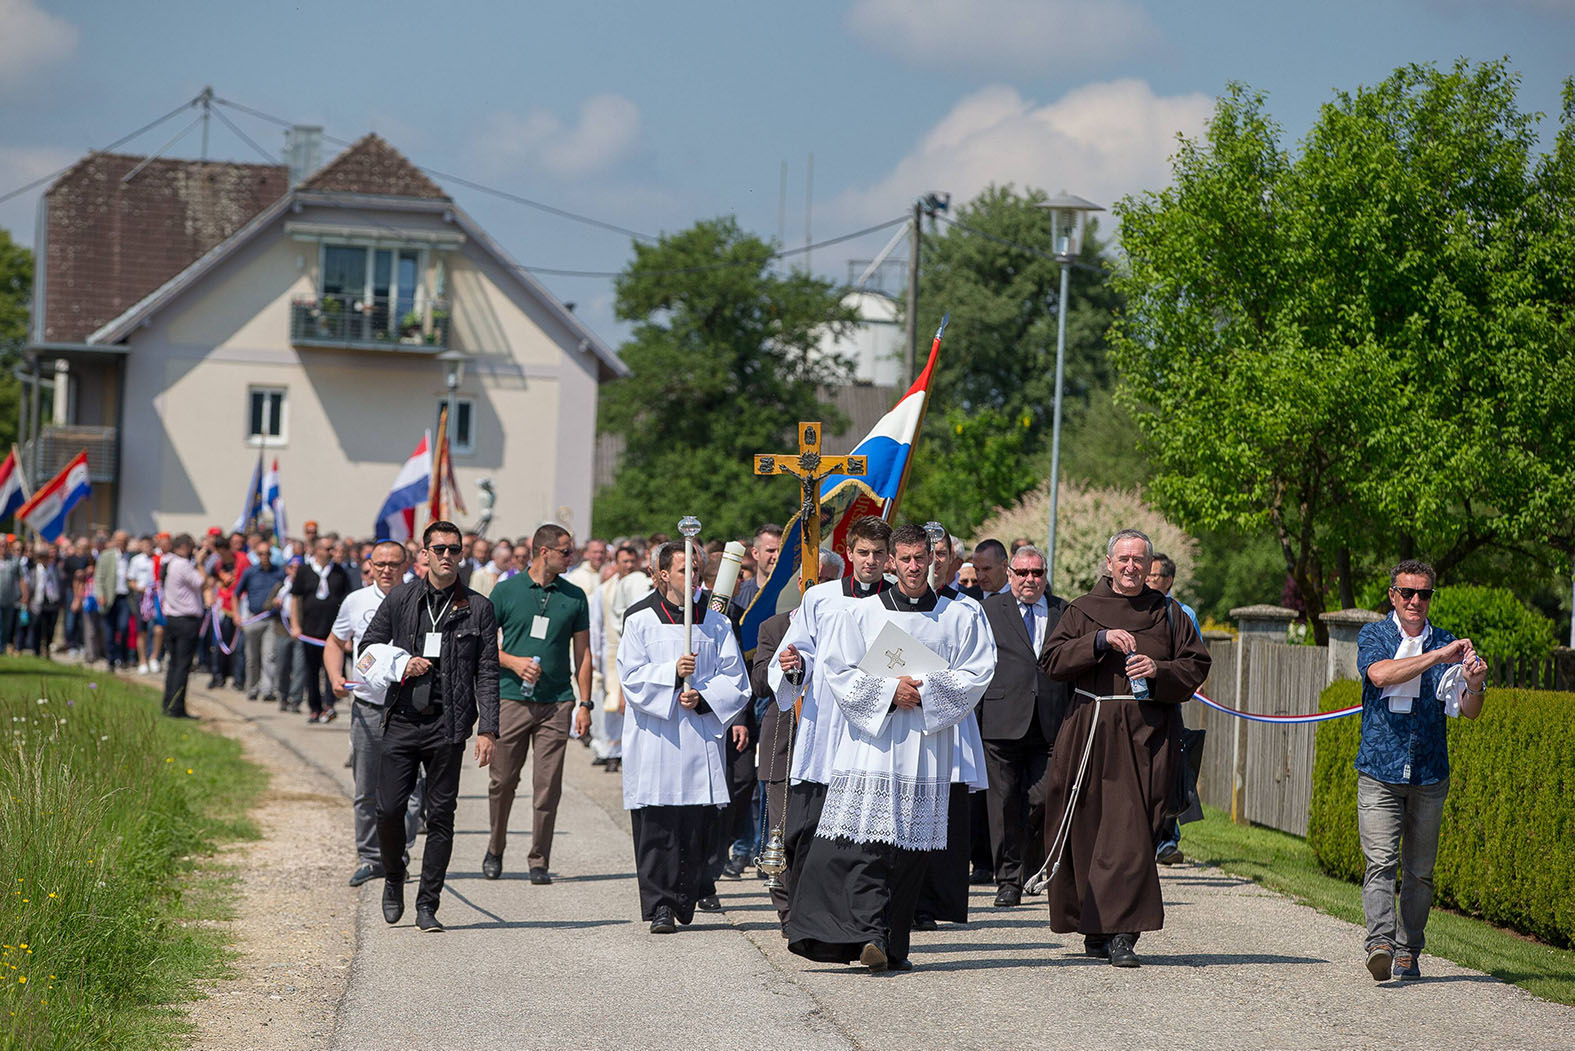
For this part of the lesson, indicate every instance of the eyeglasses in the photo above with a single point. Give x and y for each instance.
(445, 549)
(1407, 594)
(386, 565)
(1028, 572)
(566, 552)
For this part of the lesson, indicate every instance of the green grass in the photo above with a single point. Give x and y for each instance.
(1284, 863)
(108, 813)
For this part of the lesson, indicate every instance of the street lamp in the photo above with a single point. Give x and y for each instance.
(1068, 220)
(453, 373)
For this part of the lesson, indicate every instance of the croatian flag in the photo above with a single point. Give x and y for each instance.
(12, 495)
(412, 488)
(273, 500)
(253, 506)
(46, 512)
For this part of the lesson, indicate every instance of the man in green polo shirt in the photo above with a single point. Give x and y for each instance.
(543, 619)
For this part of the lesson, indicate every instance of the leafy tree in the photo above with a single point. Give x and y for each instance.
(974, 466)
(16, 294)
(1363, 346)
(992, 269)
(725, 362)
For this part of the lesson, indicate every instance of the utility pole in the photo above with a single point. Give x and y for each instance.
(206, 98)
(911, 344)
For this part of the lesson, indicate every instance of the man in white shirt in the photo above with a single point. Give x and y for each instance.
(366, 711)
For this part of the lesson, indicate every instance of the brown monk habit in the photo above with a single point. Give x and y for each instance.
(1108, 882)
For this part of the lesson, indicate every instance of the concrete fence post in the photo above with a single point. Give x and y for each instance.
(1255, 625)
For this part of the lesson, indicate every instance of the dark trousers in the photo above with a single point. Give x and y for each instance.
(314, 676)
(670, 846)
(117, 626)
(413, 744)
(1016, 802)
(219, 662)
(41, 630)
(180, 634)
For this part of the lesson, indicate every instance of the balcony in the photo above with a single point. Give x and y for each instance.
(57, 446)
(360, 323)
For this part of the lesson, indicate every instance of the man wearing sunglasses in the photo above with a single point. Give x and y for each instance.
(450, 680)
(1018, 718)
(1402, 765)
(543, 622)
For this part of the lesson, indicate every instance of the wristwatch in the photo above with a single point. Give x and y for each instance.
(587, 705)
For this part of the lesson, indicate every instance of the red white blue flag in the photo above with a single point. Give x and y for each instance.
(12, 493)
(46, 512)
(396, 519)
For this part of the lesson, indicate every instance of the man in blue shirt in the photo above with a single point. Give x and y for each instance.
(1402, 765)
(260, 583)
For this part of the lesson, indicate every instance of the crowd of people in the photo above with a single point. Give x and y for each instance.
(926, 717)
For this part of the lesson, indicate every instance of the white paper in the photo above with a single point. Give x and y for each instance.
(432, 646)
(895, 653)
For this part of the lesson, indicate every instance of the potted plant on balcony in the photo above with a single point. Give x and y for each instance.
(410, 327)
(439, 330)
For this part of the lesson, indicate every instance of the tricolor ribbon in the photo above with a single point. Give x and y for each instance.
(216, 618)
(1282, 720)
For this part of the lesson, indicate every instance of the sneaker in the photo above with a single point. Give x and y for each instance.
(1170, 854)
(153, 667)
(1407, 965)
(329, 715)
(314, 717)
(1379, 959)
(142, 669)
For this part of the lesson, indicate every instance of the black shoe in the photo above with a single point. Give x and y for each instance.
(981, 875)
(709, 903)
(662, 922)
(213, 683)
(734, 869)
(1170, 854)
(367, 871)
(537, 876)
(1097, 946)
(873, 956)
(1121, 951)
(393, 898)
(491, 865)
(269, 698)
(613, 765)
(598, 760)
(924, 923)
(1008, 897)
(903, 964)
(427, 922)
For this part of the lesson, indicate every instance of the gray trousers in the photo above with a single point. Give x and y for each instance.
(1399, 828)
(366, 753)
(262, 657)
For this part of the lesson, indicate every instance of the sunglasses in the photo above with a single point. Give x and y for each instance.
(1028, 572)
(1407, 594)
(566, 552)
(445, 549)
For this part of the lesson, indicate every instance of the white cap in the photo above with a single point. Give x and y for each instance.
(380, 666)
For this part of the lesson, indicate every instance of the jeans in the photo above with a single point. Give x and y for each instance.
(74, 623)
(262, 657)
(1399, 827)
(117, 625)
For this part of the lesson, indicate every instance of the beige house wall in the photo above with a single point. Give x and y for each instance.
(351, 417)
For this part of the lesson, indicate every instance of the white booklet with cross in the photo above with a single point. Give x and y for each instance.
(895, 653)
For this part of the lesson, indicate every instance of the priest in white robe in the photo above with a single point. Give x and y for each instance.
(674, 773)
(793, 677)
(885, 814)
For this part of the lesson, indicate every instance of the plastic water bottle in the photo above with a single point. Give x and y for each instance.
(1140, 689)
(528, 689)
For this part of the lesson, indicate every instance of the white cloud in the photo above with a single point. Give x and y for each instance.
(31, 38)
(1044, 37)
(1100, 141)
(607, 130)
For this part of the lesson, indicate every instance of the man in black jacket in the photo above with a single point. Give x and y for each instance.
(1019, 717)
(451, 678)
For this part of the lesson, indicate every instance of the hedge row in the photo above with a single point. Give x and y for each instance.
(1507, 851)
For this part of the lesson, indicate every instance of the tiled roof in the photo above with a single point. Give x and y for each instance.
(371, 165)
(108, 242)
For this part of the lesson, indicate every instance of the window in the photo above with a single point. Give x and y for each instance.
(464, 431)
(265, 415)
(382, 286)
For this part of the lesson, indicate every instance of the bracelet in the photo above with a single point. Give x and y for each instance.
(1477, 693)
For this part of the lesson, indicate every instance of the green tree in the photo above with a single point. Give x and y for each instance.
(1362, 347)
(16, 296)
(725, 362)
(974, 466)
(993, 271)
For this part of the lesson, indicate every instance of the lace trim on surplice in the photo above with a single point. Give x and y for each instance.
(865, 807)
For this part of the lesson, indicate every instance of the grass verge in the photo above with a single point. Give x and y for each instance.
(106, 811)
(1284, 863)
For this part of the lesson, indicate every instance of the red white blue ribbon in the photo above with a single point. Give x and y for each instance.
(1282, 720)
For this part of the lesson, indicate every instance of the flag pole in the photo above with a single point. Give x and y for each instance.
(924, 408)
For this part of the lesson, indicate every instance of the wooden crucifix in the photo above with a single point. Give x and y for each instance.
(811, 468)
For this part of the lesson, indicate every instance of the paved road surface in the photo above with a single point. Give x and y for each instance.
(572, 966)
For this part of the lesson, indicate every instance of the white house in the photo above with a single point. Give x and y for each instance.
(192, 315)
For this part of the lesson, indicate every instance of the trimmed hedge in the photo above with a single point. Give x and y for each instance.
(1507, 850)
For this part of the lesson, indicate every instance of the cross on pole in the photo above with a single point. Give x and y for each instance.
(810, 468)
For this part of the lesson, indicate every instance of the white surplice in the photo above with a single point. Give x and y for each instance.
(892, 772)
(820, 719)
(672, 755)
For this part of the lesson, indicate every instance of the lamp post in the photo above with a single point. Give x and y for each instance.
(1068, 220)
(453, 374)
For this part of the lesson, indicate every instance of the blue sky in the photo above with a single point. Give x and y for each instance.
(651, 116)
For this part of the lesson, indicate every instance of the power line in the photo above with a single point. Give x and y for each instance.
(228, 123)
(469, 184)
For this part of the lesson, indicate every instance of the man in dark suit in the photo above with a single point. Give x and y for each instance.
(776, 737)
(1018, 719)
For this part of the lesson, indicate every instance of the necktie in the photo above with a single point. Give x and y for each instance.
(1028, 622)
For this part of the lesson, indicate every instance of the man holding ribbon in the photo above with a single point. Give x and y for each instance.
(1413, 675)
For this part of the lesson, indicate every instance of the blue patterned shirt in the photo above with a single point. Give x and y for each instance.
(1401, 748)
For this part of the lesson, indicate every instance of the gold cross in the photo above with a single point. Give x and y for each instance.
(811, 468)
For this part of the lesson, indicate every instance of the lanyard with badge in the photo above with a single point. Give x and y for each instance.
(539, 623)
(432, 648)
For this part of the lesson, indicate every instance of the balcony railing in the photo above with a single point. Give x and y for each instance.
(57, 445)
(367, 324)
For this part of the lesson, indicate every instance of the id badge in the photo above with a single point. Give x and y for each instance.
(433, 646)
(538, 627)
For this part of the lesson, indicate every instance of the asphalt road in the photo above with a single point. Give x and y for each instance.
(572, 966)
